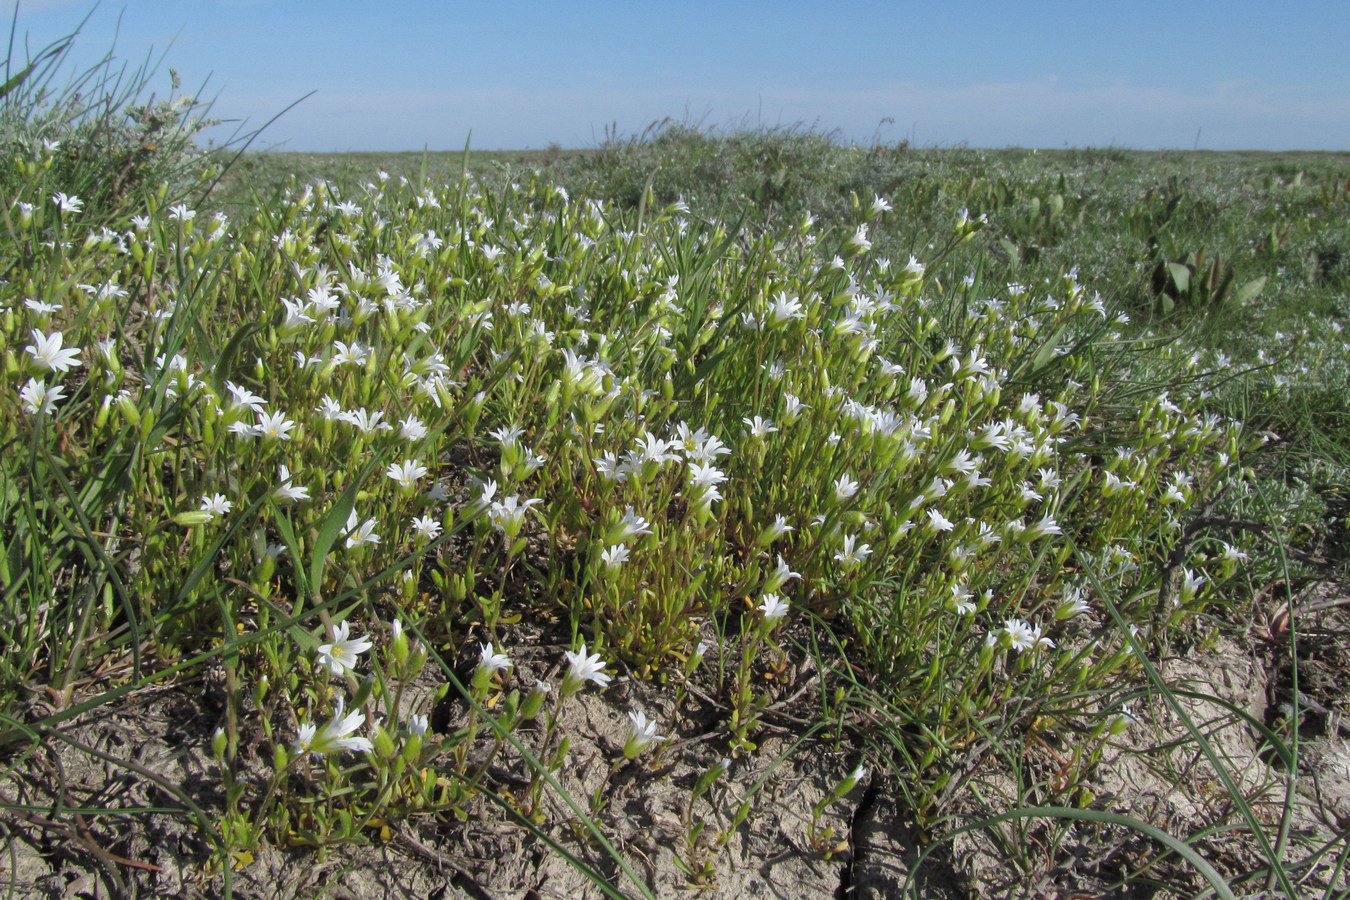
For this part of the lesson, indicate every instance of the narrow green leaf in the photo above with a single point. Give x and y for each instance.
(303, 638)
(1216, 881)
(334, 526)
(11, 84)
(225, 362)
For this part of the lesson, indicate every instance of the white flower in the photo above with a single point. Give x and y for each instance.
(1173, 494)
(274, 425)
(1047, 525)
(37, 397)
(426, 527)
(859, 241)
(849, 557)
(644, 733)
(784, 309)
(492, 662)
(330, 409)
(792, 407)
(216, 505)
(609, 468)
(962, 463)
(365, 421)
(780, 576)
(1020, 634)
(706, 447)
(961, 600)
(285, 490)
(1114, 485)
(357, 354)
(41, 308)
(407, 473)
(773, 607)
(1191, 583)
(1073, 604)
(615, 556)
(340, 656)
(582, 668)
(938, 522)
(334, 734)
(362, 533)
(630, 525)
(759, 426)
(651, 449)
(508, 515)
(67, 202)
(241, 396)
(48, 354)
(412, 429)
(507, 435)
(844, 487)
(779, 528)
(1023, 636)
(701, 475)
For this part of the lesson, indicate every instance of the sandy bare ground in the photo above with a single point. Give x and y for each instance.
(149, 755)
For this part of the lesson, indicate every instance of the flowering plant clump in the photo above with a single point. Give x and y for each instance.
(460, 405)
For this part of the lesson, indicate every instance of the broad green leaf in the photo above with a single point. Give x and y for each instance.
(1250, 290)
(1181, 276)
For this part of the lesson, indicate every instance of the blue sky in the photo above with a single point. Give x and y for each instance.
(404, 75)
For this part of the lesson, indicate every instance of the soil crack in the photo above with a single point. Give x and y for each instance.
(848, 873)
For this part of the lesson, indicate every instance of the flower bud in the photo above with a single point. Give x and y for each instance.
(560, 756)
(412, 747)
(399, 645)
(534, 701)
(510, 710)
(417, 658)
(363, 691)
(384, 744)
(218, 742)
(709, 778)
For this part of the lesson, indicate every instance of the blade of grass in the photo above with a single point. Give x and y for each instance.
(1216, 881)
(1202, 742)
